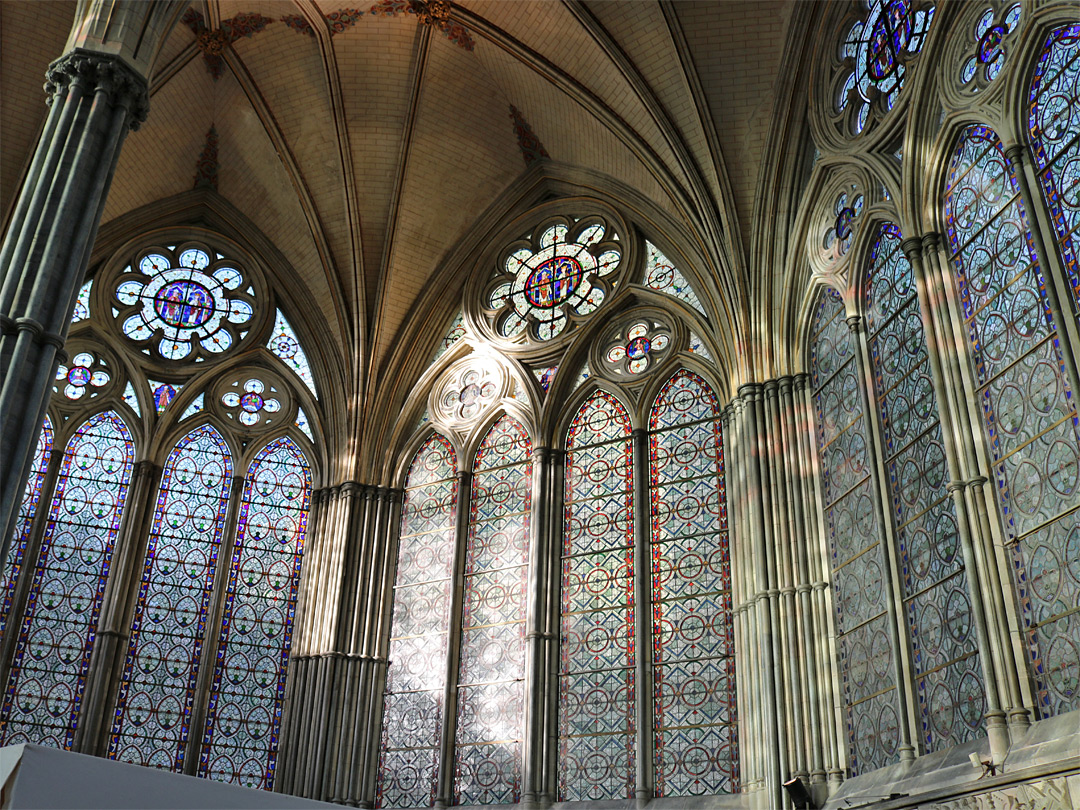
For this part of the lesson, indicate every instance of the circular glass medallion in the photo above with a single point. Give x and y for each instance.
(638, 347)
(990, 44)
(553, 281)
(79, 375)
(251, 402)
(185, 304)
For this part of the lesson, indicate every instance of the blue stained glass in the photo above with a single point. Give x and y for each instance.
(285, 345)
(52, 656)
(248, 688)
(490, 723)
(82, 303)
(692, 634)
(28, 507)
(1029, 413)
(157, 688)
(596, 675)
(944, 651)
(416, 676)
(855, 541)
(163, 394)
(1054, 126)
(131, 398)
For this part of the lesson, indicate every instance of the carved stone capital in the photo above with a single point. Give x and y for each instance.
(854, 323)
(92, 72)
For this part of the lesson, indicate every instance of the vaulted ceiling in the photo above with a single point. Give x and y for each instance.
(365, 145)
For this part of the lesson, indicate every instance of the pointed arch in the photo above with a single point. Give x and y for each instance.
(248, 687)
(1028, 407)
(59, 626)
(416, 677)
(596, 674)
(490, 721)
(158, 684)
(693, 648)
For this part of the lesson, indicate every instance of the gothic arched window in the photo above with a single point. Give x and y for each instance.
(1028, 408)
(248, 688)
(416, 677)
(490, 700)
(937, 605)
(693, 647)
(867, 657)
(597, 663)
(59, 623)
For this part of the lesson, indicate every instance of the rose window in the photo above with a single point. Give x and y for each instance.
(544, 283)
(638, 348)
(184, 305)
(251, 403)
(877, 49)
(470, 396)
(86, 372)
(838, 238)
(989, 57)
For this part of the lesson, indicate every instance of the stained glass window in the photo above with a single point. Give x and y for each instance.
(637, 347)
(841, 231)
(490, 722)
(541, 284)
(694, 737)
(665, 277)
(1054, 126)
(59, 626)
(252, 402)
(937, 604)
(990, 31)
(24, 522)
(859, 575)
(455, 333)
(248, 689)
(879, 45)
(416, 675)
(87, 372)
(162, 394)
(697, 346)
(285, 345)
(131, 398)
(304, 424)
(197, 405)
(82, 303)
(158, 685)
(597, 657)
(184, 305)
(1028, 408)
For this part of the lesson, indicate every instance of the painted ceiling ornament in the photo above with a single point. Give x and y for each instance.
(564, 272)
(435, 13)
(185, 304)
(984, 61)
(637, 347)
(213, 42)
(874, 55)
(466, 392)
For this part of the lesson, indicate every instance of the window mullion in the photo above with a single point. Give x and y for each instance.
(904, 670)
(444, 791)
(643, 711)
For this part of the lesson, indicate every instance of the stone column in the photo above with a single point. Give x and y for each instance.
(535, 628)
(96, 92)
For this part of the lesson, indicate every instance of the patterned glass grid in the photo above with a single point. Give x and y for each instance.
(944, 652)
(597, 655)
(665, 277)
(240, 741)
(490, 710)
(692, 636)
(153, 711)
(59, 626)
(866, 653)
(413, 707)
(1029, 411)
(286, 346)
(25, 521)
(1054, 126)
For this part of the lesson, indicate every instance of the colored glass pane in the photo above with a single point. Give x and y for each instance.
(1054, 126)
(195, 407)
(59, 626)
(455, 333)
(693, 649)
(697, 346)
(158, 685)
(183, 305)
(880, 45)
(248, 688)
(163, 394)
(852, 524)
(131, 399)
(285, 345)
(303, 423)
(82, 303)
(488, 758)
(28, 507)
(1029, 412)
(596, 758)
(944, 653)
(416, 676)
(663, 276)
